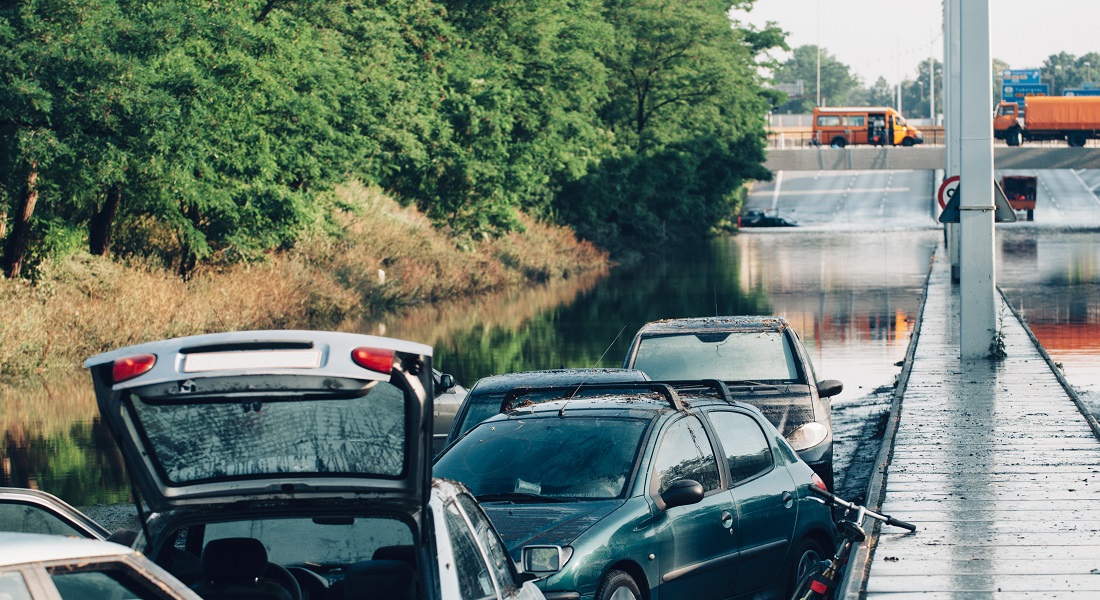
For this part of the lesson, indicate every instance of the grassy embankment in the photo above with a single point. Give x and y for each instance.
(381, 257)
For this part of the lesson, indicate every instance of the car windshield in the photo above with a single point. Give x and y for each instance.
(322, 541)
(738, 356)
(539, 458)
(257, 436)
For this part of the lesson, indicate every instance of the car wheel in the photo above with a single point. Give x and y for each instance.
(618, 585)
(839, 142)
(807, 556)
(1076, 139)
(907, 142)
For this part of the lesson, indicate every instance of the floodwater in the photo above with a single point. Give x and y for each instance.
(853, 296)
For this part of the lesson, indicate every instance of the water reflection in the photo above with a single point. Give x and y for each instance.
(851, 296)
(1052, 277)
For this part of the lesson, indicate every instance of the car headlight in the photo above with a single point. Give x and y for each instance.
(808, 436)
(544, 560)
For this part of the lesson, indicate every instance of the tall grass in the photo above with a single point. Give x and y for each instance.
(375, 256)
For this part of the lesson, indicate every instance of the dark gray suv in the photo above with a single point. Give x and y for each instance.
(763, 362)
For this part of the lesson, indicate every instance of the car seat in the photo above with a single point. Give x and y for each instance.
(234, 568)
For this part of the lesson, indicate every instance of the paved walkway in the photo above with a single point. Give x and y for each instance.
(995, 464)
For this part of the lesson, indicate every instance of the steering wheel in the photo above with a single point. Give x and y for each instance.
(280, 574)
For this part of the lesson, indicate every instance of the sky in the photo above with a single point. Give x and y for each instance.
(889, 37)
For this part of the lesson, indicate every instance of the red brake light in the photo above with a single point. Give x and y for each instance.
(374, 359)
(819, 482)
(132, 366)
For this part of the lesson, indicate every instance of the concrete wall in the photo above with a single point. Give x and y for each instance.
(927, 157)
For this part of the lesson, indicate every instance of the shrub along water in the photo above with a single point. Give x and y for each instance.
(368, 257)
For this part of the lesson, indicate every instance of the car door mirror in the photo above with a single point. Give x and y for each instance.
(682, 493)
(827, 388)
(446, 382)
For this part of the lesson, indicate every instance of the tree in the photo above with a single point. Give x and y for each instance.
(837, 81)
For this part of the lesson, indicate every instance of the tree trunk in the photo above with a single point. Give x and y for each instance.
(99, 228)
(15, 247)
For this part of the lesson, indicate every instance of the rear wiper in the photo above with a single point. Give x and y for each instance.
(517, 497)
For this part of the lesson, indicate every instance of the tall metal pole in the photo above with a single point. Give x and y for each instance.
(952, 109)
(977, 289)
(932, 89)
(818, 52)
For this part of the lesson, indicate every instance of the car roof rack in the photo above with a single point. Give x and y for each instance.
(668, 389)
(569, 391)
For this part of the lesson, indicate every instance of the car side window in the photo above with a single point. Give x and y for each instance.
(103, 581)
(686, 453)
(29, 518)
(13, 586)
(474, 578)
(744, 443)
(494, 548)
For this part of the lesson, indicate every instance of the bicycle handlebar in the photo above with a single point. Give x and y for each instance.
(838, 501)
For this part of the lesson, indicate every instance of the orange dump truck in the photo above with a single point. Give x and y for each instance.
(1075, 119)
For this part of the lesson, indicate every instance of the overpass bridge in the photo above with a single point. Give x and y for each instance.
(862, 158)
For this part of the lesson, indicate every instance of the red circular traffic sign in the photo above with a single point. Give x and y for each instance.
(947, 189)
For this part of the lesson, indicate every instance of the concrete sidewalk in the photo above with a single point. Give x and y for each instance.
(996, 465)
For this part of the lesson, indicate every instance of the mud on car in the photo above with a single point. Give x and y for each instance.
(672, 490)
(762, 361)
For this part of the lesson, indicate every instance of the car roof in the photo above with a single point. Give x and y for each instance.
(22, 548)
(555, 377)
(746, 323)
(652, 398)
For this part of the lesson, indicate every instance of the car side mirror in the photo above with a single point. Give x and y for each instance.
(827, 388)
(682, 493)
(446, 382)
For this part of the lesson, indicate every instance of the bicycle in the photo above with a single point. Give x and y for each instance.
(821, 579)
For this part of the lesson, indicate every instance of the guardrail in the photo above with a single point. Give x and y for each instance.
(791, 140)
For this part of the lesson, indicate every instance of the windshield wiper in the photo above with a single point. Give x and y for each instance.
(745, 382)
(517, 497)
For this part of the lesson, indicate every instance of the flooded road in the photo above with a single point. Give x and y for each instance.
(852, 291)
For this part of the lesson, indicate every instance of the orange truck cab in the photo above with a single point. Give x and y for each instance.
(875, 125)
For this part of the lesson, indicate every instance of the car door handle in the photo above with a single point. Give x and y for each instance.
(788, 500)
(727, 520)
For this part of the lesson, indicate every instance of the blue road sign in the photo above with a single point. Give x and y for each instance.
(1016, 92)
(1081, 92)
(1020, 76)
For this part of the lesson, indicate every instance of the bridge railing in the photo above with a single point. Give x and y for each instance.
(793, 139)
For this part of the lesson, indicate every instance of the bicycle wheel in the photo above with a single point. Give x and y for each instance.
(806, 589)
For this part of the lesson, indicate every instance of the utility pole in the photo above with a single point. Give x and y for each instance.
(977, 283)
(818, 52)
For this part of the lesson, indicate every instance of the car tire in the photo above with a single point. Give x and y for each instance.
(618, 585)
(808, 555)
(838, 142)
(907, 142)
(1076, 139)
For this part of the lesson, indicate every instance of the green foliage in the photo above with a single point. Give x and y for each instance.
(837, 82)
(222, 127)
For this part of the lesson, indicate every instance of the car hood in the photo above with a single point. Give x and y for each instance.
(270, 416)
(521, 525)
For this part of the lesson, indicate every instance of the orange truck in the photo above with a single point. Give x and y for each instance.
(875, 125)
(1021, 192)
(1075, 119)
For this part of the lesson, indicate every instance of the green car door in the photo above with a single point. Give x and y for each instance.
(697, 548)
(764, 495)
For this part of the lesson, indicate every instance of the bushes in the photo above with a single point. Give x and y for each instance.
(82, 305)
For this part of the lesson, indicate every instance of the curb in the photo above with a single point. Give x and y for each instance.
(859, 561)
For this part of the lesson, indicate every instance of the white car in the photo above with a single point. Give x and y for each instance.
(295, 464)
(42, 566)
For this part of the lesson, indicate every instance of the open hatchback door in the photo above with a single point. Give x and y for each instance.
(270, 416)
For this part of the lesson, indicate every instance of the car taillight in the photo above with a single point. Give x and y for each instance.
(819, 482)
(374, 359)
(132, 366)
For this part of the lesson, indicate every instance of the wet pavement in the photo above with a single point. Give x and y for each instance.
(994, 461)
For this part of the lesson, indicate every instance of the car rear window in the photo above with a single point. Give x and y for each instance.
(541, 457)
(257, 436)
(738, 356)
